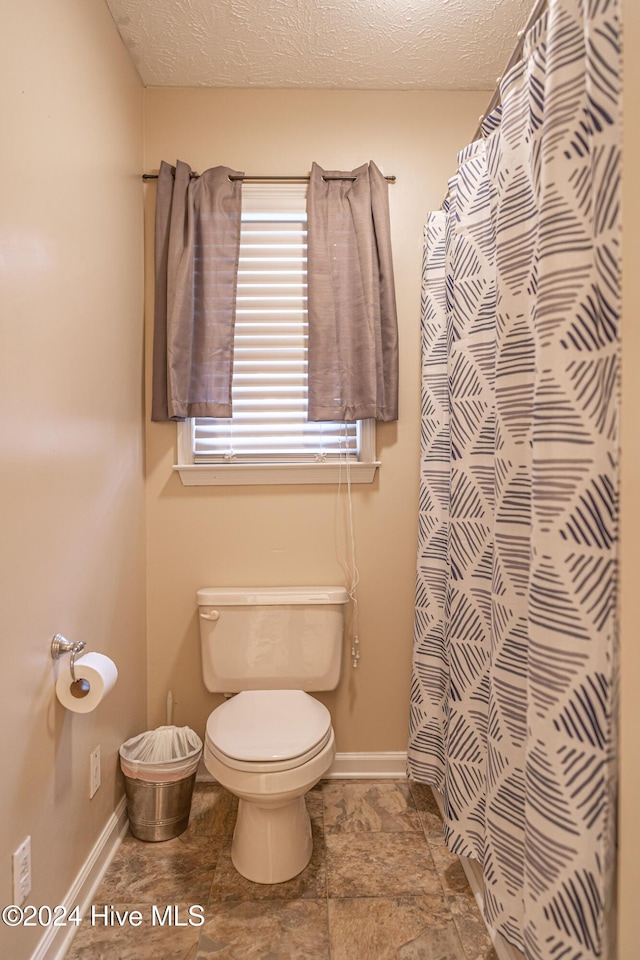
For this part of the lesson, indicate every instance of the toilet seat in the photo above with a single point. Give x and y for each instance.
(268, 730)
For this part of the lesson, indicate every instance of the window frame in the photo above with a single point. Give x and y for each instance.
(287, 198)
(231, 474)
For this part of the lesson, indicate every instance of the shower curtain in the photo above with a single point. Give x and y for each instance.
(513, 696)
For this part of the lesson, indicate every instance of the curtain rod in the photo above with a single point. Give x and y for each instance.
(256, 179)
(539, 8)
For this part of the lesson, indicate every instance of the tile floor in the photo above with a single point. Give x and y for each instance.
(381, 885)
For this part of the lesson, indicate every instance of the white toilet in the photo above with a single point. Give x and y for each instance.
(272, 742)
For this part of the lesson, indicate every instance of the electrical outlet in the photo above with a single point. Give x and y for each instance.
(94, 772)
(22, 872)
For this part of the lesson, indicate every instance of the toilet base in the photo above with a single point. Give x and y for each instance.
(272, 837)
(271, 844)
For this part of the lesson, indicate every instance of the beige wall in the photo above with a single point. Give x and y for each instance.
(629, 848)
(285, 535)
(71, 475)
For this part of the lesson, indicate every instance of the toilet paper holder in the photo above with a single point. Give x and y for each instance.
(60, 645)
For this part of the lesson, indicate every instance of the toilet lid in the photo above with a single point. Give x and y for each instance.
(268, 725)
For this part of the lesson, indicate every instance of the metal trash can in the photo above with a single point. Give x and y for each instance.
(159, 770)
(158, 811)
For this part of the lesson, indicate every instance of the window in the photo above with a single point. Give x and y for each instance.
(268, 439)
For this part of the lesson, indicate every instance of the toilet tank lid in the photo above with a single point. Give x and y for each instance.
(271, 596)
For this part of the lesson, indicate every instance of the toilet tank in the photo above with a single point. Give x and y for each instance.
(271, 638)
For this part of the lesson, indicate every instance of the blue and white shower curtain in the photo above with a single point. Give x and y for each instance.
(513, 698)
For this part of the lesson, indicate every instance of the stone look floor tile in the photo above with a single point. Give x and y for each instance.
(427, 808)
(375, 864)
(173, 871)
(213, 813)
(315, 806)
(378, 851)
(398, 928)
(289, 930)
(472, 929)
(366, 806)
(98, 941)
(449, 867)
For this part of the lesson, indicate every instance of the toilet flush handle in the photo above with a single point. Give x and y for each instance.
(212, 615)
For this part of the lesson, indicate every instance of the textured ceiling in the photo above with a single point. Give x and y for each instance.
(351, 44)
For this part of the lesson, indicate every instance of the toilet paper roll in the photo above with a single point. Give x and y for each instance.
(95, 677)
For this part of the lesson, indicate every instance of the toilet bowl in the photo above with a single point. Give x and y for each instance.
(269, 747)
(272, 741)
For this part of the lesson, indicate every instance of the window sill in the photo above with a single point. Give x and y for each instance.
(232, 474)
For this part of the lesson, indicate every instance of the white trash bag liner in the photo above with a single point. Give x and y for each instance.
(161, 755)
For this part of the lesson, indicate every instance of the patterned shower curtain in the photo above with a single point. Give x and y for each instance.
(513, 698)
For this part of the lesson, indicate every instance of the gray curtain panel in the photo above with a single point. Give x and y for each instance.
(353, 329)
(196, 268)
(514, 687)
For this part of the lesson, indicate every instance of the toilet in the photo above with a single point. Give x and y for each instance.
(270, 742)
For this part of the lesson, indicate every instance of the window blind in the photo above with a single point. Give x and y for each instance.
(269, 393)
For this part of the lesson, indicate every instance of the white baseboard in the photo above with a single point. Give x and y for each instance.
(56, 940)
(368, 766)
(350, 766)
